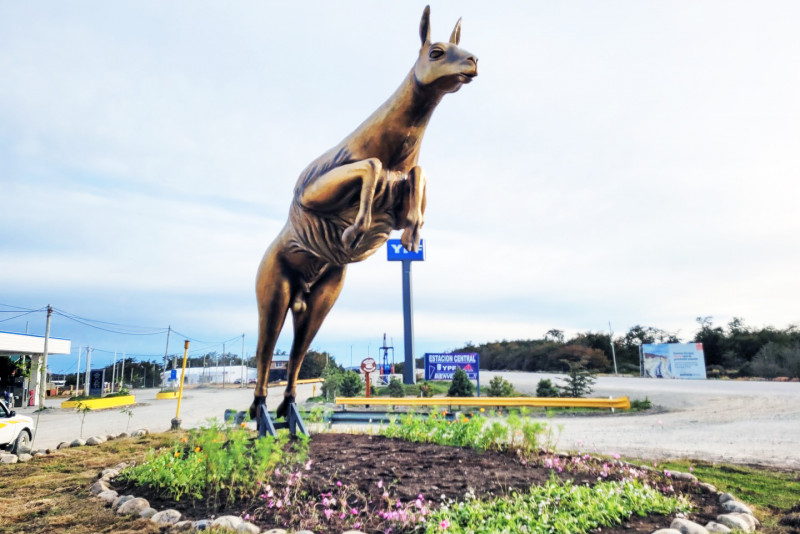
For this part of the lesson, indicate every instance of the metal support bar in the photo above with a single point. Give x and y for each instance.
(293, 422)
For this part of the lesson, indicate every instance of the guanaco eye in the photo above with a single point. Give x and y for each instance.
(435, 53)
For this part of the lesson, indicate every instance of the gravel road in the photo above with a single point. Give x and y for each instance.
(715, 420)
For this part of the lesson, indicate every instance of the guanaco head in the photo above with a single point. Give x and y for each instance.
(443, 66)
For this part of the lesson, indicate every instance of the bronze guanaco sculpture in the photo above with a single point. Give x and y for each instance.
(346, 202)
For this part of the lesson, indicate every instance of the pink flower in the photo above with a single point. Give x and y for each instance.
(354, 511)
(615, 456)
(445, 524)
(342, 515)
(380, 484)
(328, 513)
(338, 483)
(308, 465)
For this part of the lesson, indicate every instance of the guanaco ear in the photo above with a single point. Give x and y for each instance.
(425, 26)
(455, 37)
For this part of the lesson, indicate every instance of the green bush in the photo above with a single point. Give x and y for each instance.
(395, 388)
(500, 387)
(461, 386)
(333, 378)
(578, 383)
(639, 405)
(545, 388)
(351, 385)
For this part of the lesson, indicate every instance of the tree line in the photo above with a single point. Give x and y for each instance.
(731, 350)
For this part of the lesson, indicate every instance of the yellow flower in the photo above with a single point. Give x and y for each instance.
(197, 449)
(184, 439)
(177, 454)
(242, 425)
(483, 410)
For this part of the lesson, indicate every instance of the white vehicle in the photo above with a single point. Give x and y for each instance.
(16, 431)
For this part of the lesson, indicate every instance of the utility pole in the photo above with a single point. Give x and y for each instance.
(613, 353)
(114, 372)
(78, 372)
(144, 383)
(87, 378)
(43, 375)
(166, 350)
(244, 378)
(223, 366)
(122, 371)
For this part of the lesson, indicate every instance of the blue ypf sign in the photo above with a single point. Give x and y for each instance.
(395, 251)
(442, 366)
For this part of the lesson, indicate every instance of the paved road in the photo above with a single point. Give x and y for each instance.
(197, 406)
(715, 420)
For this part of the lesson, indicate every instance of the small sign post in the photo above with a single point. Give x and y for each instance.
(395, 251)
(368, 365)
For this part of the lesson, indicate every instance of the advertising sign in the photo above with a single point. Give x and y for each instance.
(674, 360)
(442, 366)
(395, 251)
(96, 379)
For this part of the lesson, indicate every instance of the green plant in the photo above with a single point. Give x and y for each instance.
(82, 409)
(559, 507)
(129, 412)
(500, 387)
(545, 388)
(461, 385)
(333, 379)
(351, 384)
(219, 464)
(578, 382)
(639, 405)
(395, 388)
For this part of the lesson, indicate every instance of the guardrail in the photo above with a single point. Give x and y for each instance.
(619, 403)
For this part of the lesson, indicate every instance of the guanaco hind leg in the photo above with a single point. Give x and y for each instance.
(327, 191)
(413, 208)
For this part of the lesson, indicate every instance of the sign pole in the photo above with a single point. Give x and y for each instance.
(176, 422)
(409, 368)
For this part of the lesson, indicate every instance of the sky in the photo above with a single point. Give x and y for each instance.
(625, 162)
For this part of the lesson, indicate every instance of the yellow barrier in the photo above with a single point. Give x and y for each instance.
(100, 404)
(167, 395)
(619, 403)
(303, 381)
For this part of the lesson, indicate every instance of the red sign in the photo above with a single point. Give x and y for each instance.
(368, 365)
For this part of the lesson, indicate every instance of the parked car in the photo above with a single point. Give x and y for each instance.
(16, 431)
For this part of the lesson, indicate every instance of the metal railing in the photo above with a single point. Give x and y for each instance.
(619, 403)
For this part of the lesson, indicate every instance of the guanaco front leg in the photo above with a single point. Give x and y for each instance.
(413, 209)
(327, 191)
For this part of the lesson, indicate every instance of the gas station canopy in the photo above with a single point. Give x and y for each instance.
(17, 344)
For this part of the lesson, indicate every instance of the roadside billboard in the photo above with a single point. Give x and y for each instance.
(442, 366)
(674, 360)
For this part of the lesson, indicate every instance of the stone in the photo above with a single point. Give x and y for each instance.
(120, 466)
(166, 517)
(678, 475)
(110, 437)
(148, 512)
(133, 506)
(141, 432)
(303, 532)
(123, 435)
(109, 496)
(78, 443)
(710, 488)
(227, 521)
(713, 526)
(667, 531)
(121, 500)
(275, 531)
(203, 524)
(8, 459)
(724, 497)
(734, 522)
(62, 445)
(748, 518)
(24, 457)
(736, 506)
(684, 526)
(98, 487)
(94, 441)
(352, 532)
(183, 525)
(248, 528)
(39, 454)
(109, 472)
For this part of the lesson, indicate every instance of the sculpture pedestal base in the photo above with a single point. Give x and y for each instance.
(293, 422)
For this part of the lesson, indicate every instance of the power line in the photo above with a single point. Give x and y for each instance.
(20, 315)
(83, 322)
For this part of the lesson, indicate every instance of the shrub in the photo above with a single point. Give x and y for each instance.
(777, 360)
(395, 388)
(351, 385)
(333, 379)
(545, 388)
(500, 387)
(461, 386)
(640, 405)
(578, 383)
(425, 390)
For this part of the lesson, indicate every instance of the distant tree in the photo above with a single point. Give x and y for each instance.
(351, 385)
(554, 335)
(578, 383)
(333, 376)
(313, 364)
(395, 388)
(461, 385)
(500, 387)
(545, 388)
(583, 357)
